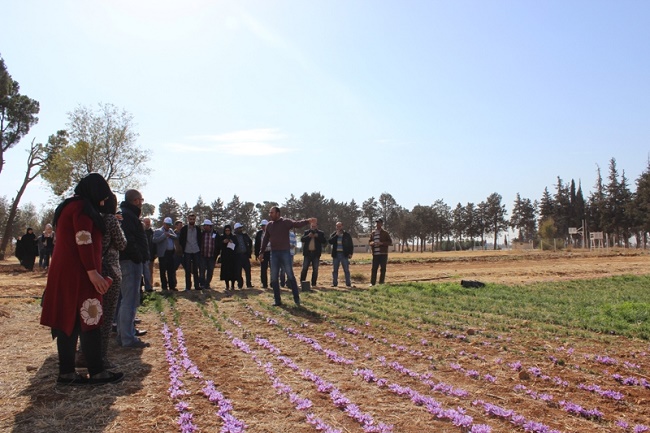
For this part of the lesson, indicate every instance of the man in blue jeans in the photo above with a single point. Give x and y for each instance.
(132, 259)
(277, 232)
(312, 246)
(342, 250)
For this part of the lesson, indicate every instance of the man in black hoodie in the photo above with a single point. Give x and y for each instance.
(132, 260)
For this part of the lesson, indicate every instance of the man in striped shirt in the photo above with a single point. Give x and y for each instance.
(379, 242)
(209, 253)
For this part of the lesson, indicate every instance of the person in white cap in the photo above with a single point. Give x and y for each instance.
(244, 251)
(163, 239)
(209, 251)
(264, 266)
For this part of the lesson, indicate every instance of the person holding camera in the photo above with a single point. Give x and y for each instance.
(312, 247)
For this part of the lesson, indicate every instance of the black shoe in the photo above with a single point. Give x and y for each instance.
(140, 332)
(105, 377)
(278, 304)
(139, 344)
(72, 379)
(137, 321)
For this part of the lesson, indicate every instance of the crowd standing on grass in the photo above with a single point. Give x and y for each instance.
(102, 258)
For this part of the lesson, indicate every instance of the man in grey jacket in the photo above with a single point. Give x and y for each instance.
(163, 239)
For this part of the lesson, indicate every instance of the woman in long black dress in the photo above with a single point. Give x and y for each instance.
(228, 258)
(30, 249)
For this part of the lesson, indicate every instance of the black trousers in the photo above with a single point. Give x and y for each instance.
(243, 263)
(167, 270)
(378, 262)
(91, 346)
(264, 269)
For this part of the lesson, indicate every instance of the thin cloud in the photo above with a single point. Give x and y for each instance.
(251, 142)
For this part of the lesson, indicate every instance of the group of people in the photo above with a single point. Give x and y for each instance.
(29, 246)
(103, 256)
(273, 246)
(199, 248)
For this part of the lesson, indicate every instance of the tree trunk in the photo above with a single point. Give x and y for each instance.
(33, 156)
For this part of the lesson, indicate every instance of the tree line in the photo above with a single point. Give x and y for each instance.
(611, 208)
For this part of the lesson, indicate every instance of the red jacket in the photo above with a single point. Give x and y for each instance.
(69, 292)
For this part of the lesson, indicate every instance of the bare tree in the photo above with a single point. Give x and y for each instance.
(39, 157)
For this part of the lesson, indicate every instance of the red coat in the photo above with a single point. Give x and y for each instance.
(69, 292)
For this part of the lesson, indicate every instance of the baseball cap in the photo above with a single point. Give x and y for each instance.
(168, 220)
(238, 225)
(207, 223)
(264, 222)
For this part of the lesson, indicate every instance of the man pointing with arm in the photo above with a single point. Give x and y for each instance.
(277, 232)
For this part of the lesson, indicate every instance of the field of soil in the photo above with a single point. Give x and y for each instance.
(230, 345)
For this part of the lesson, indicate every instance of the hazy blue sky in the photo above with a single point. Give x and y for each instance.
(426, 100)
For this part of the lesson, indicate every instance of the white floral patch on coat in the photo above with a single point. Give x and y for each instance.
(91, 311)
(83, 237)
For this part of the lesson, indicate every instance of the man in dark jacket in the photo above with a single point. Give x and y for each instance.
(379, 241)
(190, 240)
(132, 260)
(312, 247)
(244, 250)
(342, 250)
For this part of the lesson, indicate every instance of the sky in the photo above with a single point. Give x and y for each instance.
(425, 100)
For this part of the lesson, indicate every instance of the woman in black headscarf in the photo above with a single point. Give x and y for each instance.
(29, 249)
(228, 245)
(72, 302)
